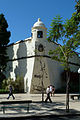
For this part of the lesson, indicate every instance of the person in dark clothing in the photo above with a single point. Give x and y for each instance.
(11, 92)
(48, 94)
(53, 90)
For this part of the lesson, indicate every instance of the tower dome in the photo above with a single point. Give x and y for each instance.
(39, 23)
(39, 31)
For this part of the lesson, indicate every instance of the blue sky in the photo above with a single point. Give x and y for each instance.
(22, 14)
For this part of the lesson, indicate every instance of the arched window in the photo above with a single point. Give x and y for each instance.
(39, 34)
(40, 48)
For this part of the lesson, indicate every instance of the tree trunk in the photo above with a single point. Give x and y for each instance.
(42, 92)
(67, 90)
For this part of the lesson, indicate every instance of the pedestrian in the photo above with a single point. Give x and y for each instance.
(53, 90)
(48, 94)
(11, 92)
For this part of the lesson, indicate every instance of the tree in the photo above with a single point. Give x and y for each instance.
(77, 7)
(67, 36)
(77, 19)
(4, 40)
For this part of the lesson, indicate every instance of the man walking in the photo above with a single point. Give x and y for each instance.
(48, 94)
(11, 92)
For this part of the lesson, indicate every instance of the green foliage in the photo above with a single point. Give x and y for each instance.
(55, 32)
(18, 84)
(6, 83)
(77, 7)
(2, 91)
(4, 40)
(67, 36)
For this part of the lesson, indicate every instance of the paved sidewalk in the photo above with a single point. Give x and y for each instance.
(37, 108)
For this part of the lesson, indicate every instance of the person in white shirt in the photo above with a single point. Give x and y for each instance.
(48, 94)
(51, 89)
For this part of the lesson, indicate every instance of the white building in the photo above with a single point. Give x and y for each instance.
(32, 61)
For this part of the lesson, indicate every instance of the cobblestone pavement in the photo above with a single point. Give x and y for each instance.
(37, 108)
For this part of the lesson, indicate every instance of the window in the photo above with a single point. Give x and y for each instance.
(40, 48)
(31, 34)
(39, 34)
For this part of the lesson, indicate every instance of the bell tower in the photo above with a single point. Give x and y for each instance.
(39, 31)
(40, 76)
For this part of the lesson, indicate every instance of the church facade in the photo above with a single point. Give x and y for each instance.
(30, 59)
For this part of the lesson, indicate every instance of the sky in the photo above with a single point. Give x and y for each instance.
(22, 14)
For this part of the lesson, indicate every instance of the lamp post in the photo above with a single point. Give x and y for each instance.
(79, 80)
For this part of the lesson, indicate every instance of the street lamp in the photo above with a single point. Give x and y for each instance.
(79, 80)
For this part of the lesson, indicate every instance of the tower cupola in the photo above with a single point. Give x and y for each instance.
(39, 23)
(39, 31)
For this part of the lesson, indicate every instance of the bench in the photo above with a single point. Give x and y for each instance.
(75, 96)
(19, 104)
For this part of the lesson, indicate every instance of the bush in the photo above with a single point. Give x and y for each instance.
(3, 91)
(18, 84)
(6, 83)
